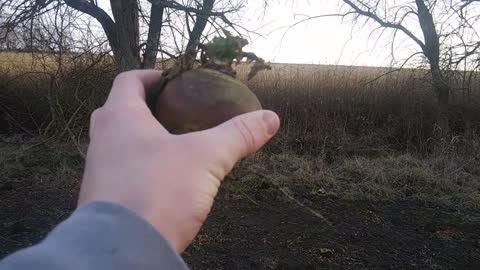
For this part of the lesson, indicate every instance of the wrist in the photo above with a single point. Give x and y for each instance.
(178, 234)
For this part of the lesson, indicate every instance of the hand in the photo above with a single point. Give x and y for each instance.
(169, 180)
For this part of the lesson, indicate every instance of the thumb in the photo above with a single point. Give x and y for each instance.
(244, 134)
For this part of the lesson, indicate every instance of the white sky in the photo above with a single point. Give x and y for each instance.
(321, 41)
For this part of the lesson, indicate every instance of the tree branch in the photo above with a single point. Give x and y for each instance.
(154, 33)
(177, 6)
(23, 11)
(99, 14)
(384, 23)
(425, 19)
(200, 23)
(393, 70)
(204, 11)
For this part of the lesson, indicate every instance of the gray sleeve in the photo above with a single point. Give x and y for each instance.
(99, 235)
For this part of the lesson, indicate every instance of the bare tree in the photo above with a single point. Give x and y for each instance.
(124, 28)
(464, 52)
(391, 14)
(57, 63)
(437, 27)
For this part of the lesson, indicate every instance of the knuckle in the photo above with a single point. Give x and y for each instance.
(245, 132)
(104, 114)
(93, 122)
(94, 114)
(122, 77)
(99, 118)
(119, 78)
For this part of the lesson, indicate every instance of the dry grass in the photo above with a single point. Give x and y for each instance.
(41, 167)
(342, 135)
(44, 98)
(344, 109)
(389, 178)
(21, 62)
(325, 110)
(448, 181)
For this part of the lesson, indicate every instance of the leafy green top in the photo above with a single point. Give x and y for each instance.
(222, 50)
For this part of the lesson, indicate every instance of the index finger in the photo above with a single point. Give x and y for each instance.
(130, 86)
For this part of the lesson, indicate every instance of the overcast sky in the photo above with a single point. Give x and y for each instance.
(320, 41)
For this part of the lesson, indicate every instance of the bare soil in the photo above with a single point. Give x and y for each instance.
(256, 225)
(269, 231)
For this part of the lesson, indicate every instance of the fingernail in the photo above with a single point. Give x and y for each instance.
(271, 122)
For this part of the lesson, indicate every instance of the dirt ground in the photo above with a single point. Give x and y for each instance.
(257, 225)
(269, 231)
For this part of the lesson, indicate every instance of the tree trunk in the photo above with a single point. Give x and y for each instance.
(200, 23)
(127, 47)
(123, 33)
(431, 49)
(154, 32)
(195, 35)
(442, 91)
(125, 59)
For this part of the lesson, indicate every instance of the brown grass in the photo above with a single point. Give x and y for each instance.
(447, 181)
(326, 107)
(45, 98)
(327, 110)
(342, 135)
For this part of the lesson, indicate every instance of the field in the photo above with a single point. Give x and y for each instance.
(356, 178)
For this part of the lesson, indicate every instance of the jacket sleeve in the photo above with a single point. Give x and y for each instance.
(99, 235)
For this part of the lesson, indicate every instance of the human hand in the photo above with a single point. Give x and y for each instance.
(169, 180)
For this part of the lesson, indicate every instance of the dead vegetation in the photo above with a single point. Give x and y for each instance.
(353, 152)
(346, 131)
(446, 181)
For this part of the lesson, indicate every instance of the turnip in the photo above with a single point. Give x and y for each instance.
(189, 99)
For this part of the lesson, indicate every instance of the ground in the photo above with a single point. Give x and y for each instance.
(274, 233)
(256, 222)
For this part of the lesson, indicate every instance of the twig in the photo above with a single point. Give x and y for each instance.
(249, 198)
(18, 124)
(313, 212)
